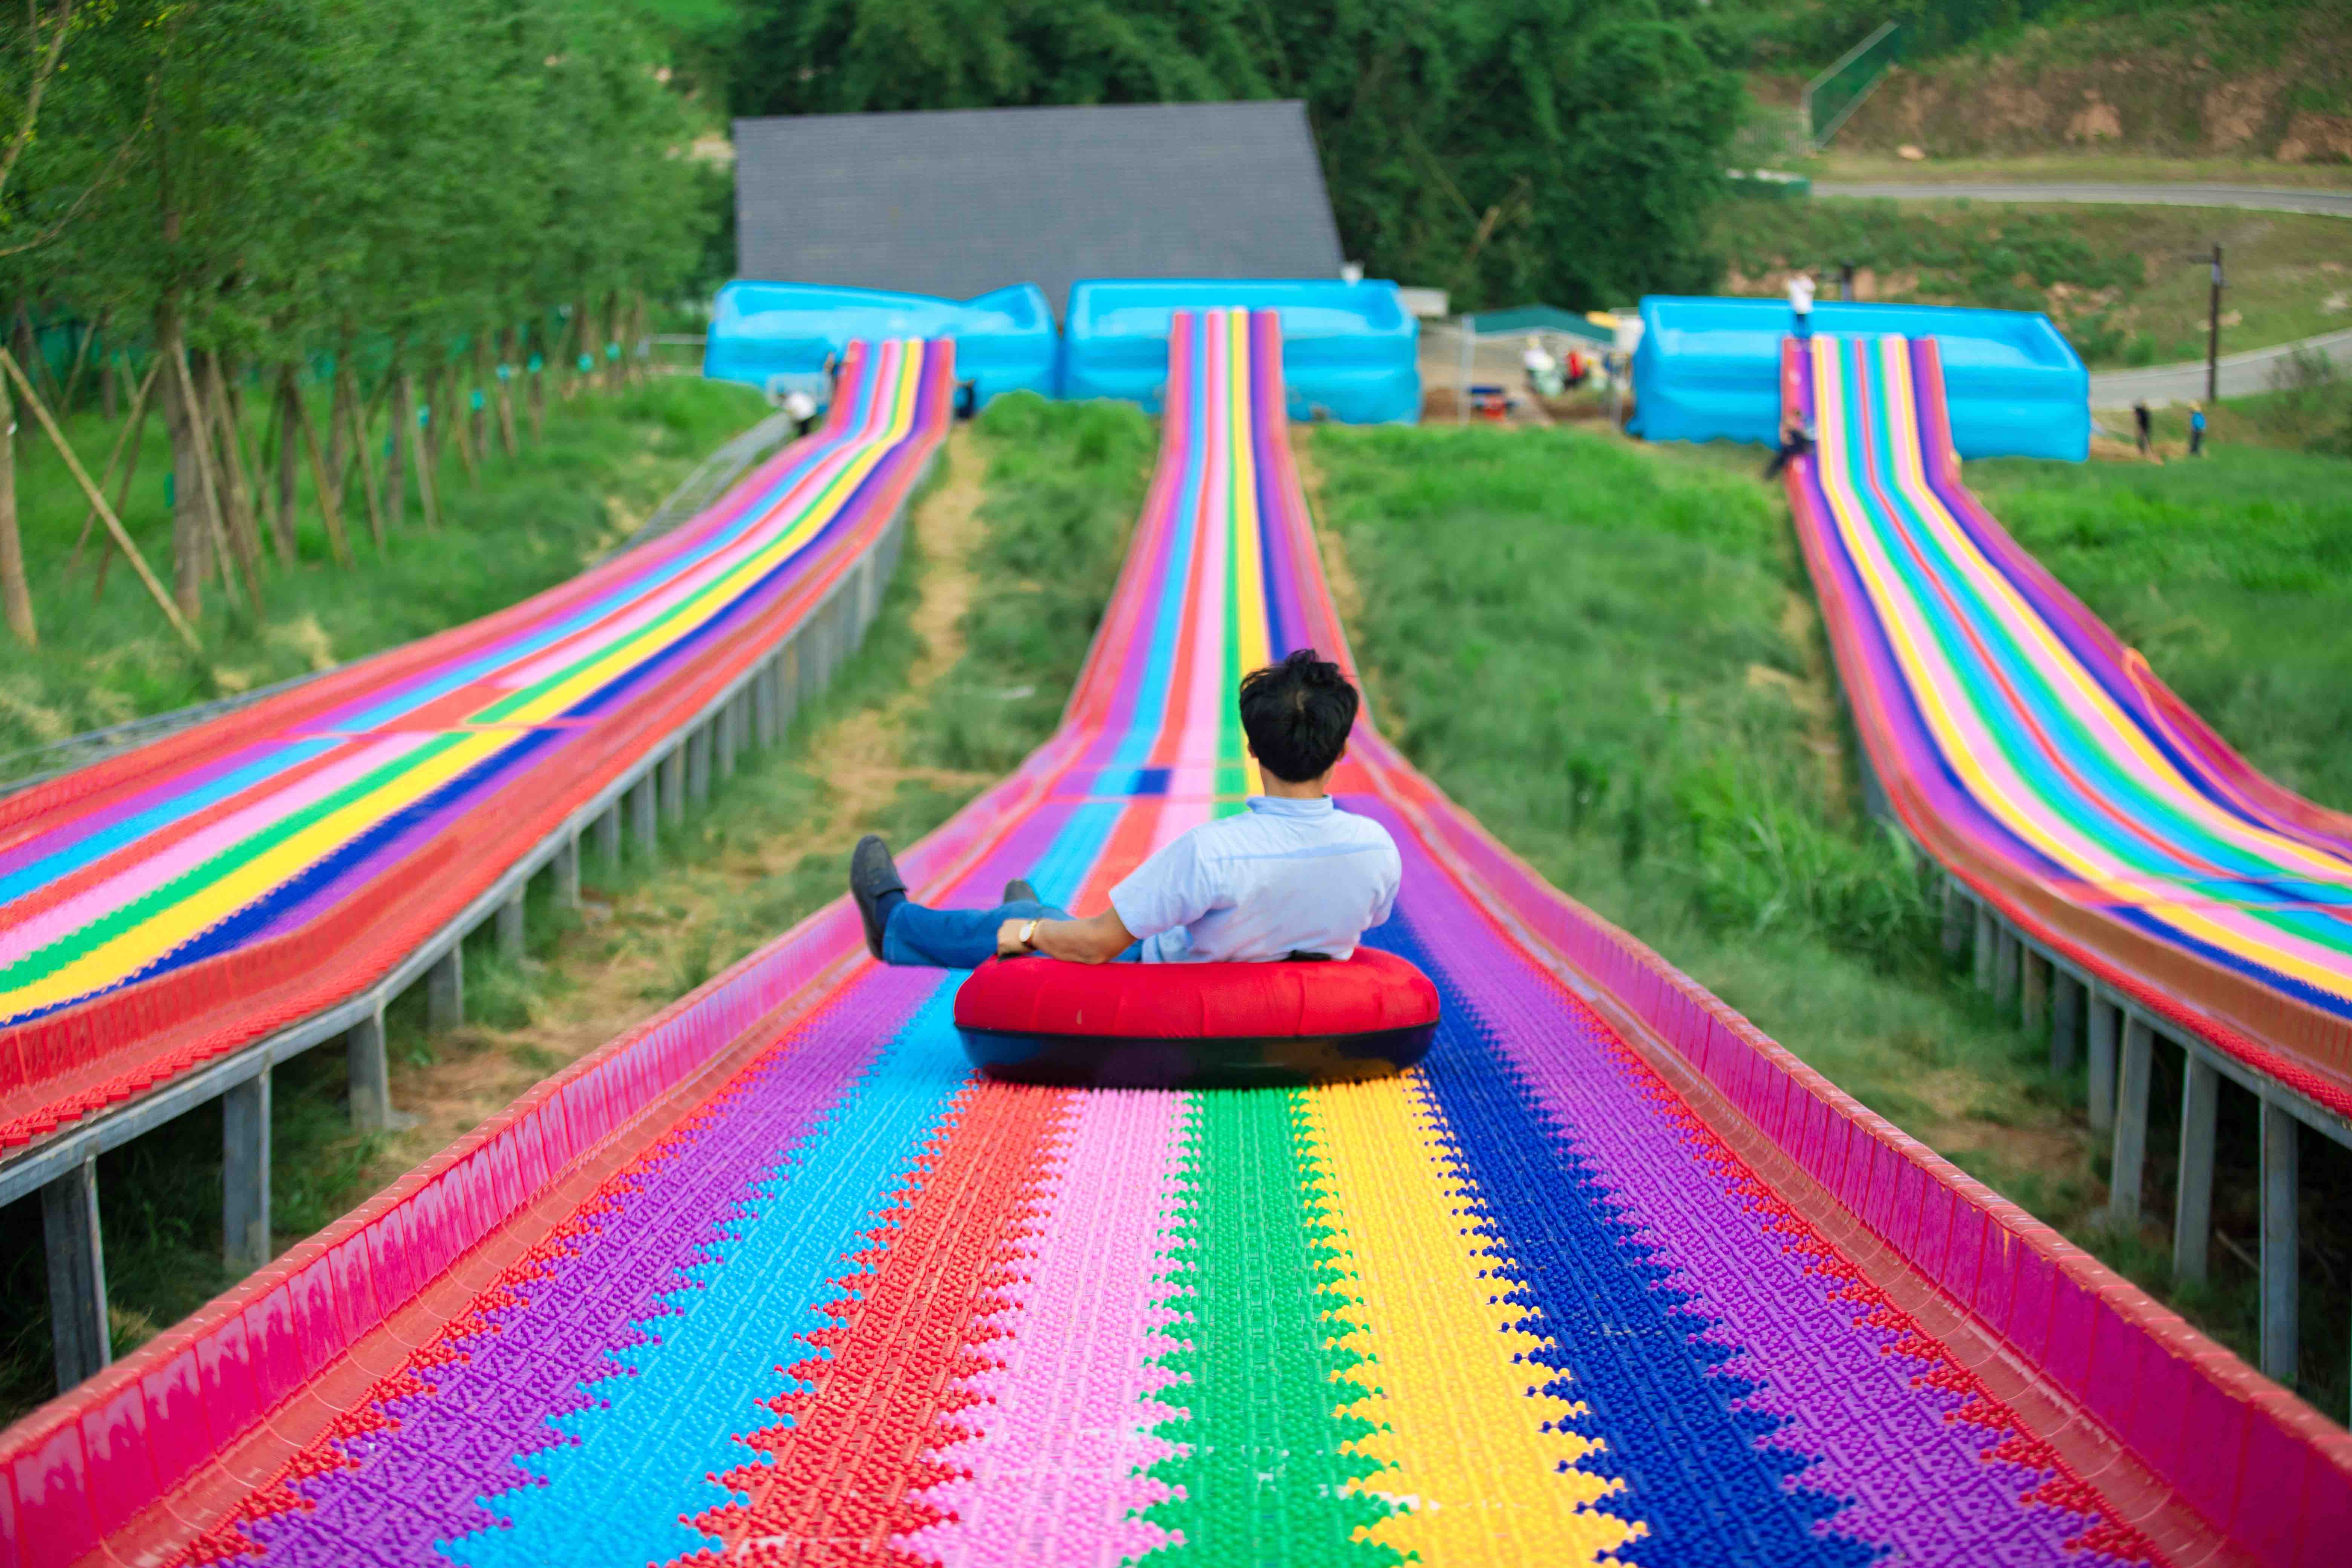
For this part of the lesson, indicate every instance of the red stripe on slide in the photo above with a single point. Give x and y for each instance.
(835, 1487)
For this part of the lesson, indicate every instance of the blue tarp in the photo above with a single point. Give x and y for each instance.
(776, 335)
(1709, 369)
(1347, 348)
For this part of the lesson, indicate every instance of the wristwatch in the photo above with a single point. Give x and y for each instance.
(1029, 935)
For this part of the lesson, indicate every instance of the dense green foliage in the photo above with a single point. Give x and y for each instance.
(1806, 35)
(1484, 148)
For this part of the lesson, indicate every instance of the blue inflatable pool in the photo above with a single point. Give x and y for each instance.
(1710, 369)
(1348, 349)
(776, 336)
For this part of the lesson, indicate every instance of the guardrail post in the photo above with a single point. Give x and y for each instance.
(2281, 1352)
(370, 1073)
(2192, 1209)
(509, 925)
(2005, 967)
(245, 1174)
(673, 786)
(2106, 1017)
(566, 867)
(698, 762)
(445, 990)
(2065, 1021)
(642, 813)
(2035, 1009)
(2131, 1125)
(1955, 918)
(1986, 942)
(77, 1260)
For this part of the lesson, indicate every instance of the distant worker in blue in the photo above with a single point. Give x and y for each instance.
(1801, 301)
(2196, 429)
(1293, 877)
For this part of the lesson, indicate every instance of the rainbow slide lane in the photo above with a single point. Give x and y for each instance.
(772, 1279)
(2035, 754)
(189, 898)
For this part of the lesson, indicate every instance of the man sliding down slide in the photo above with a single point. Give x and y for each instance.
(1294, 877)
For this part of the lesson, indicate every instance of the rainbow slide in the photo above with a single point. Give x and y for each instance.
(2038, 757)
(772, 1279)
(165, 907)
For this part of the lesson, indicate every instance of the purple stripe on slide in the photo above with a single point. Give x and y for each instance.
(419, 1483)
(1919, 1483)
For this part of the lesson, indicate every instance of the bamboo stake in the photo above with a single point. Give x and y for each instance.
(264, 503)
(113, 525)
(122, 492)
(364, 459)
(461, 435)
(328, 506)
(127, 438)
(506, 374)
(81, 355)
(202, 437)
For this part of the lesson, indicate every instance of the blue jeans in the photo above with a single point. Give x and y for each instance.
(926, 938)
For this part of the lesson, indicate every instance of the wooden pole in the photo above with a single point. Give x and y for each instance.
(113, 525)
(425, 492)
(282, 423)
(125, 439)
(395, 456)
(252, 456)
(81, 357)
(330, 507)
(506, 374)
(338, 420)
(200, 441)
(364, 461)
(228, 471)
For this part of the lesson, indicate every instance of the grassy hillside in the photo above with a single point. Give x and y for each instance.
(1610, 654)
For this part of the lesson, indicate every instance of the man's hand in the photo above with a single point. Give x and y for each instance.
(1097, 939)
(1008, 937)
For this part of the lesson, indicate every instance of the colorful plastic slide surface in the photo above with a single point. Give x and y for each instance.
(1710, 370)
(2035, 754)
(778, 336)
(162, 909)
(1348, 349)
(772, 1279)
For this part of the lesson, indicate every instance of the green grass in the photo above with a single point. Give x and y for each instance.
(1607, 652)
(532, 522)
(2119, 280)
(2233, 576)
(1063, 484)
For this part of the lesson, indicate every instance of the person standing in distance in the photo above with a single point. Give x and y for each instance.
(1801, 300)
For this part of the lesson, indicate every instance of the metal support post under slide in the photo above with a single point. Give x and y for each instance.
(565, 869)
(2107, 1020)
(445, 990)
(2131, 1124)
(642, 815)
(698, 762)
(763, 703)
(672, 785)
(2066, 1000)
(1986, 942)
(77, 1258)
(1955, 918)
(2005, 967)
(2034, 1010)
(245, 1174)
(510, 926)
(370, 1073)
(2280, 1349)
(731, 735)
(2192, 1209)
(608, 833)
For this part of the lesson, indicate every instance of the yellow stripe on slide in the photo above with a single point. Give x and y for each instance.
(1447, 1378)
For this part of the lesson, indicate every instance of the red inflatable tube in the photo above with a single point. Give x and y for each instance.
(1196, 1026)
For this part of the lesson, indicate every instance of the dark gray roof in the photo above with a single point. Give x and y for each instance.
(959, 201)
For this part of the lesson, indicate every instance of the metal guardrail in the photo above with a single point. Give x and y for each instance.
(757, 707)
(1844, 84)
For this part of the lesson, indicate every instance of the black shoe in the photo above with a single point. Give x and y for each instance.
(873, 879)
(1019, 891)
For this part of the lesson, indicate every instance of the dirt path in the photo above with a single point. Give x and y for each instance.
(639, 945)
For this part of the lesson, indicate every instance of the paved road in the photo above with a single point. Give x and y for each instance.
(2329, 204)
(2241, 373)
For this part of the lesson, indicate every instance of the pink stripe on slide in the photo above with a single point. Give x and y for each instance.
(1055, 1473)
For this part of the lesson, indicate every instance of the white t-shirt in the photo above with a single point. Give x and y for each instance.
(1801, 293)
(1536, 360)
(1285, 876)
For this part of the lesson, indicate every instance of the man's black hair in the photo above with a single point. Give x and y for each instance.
(1296, 715)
